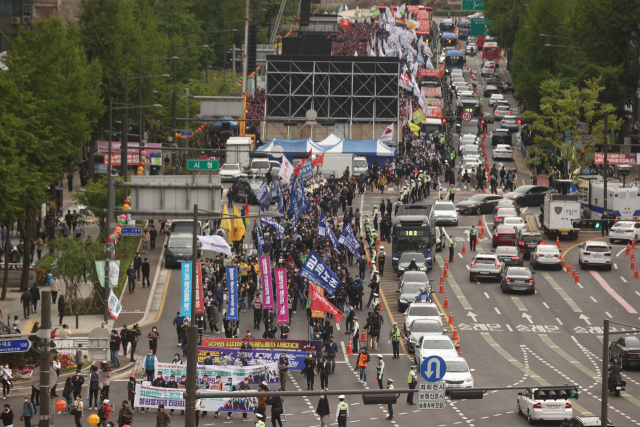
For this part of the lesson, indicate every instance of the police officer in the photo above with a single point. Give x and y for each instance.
(412, 265)
(452, 193)
(376, 302)
(473, 236)
(440, 194)
(354, 334)
(424, 295)
(390, 387)
(413, 381)
(394, 337)
(342, 412)
(259, 421)
(451, 247)
(605, 223)
(381, 257)
(380, 370)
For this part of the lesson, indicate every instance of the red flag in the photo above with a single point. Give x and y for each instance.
(310, 152)
(297, 169)
(345, 23)
(319, 160)
(320, 303)
(246, 212)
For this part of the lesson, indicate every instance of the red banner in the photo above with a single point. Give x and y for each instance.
(116, 159)
(617, 158)
(432, 92)
(297, 169)
(320, 303)
(433, 112)
(319, 161)
(427, 72)
(199, 292)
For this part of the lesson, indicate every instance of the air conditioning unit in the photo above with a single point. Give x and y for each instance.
(27, 8)
(15, 21)
(26, 20)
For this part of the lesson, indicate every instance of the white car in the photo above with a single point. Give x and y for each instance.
(494, 98)
(230, 171)
(458, 373)
(466, 93)
(434, 346)
(596, 253)
(515, 222)
(445, 212)
(421, 328)
(469, 149)
(625, 231)
(259, 167)
(470, 165)
(423, 311)
(502, 151)
(536, 407)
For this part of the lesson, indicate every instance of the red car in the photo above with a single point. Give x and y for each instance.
(505, 235)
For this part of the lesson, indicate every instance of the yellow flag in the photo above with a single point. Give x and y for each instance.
(238, 225)
(226, 223)
(414, 128)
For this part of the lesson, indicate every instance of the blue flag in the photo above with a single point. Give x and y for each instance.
(272, 222)
(280, 200)
(260, 239)
(317, 272)
(306, 171)
(263, 192)
(348, 239)
(232, 283)
(296, 202)
(185, 307)
(325, 230)
(303, 196)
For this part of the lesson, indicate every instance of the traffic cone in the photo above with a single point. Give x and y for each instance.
(484, 189)
(464, 249)
(349, 349)
(563, 264)
(479, 220)
(633, 265)
(576, 280)
(626, 252)
(633, 258)
(481, 233)
(451, 317)
(574, 272)
(363, 337)
(635, 275)
(568, 268)
(558, 241)
(446, 301)
(441, 291)
(445, 272)
(458, 349)
(455, 335)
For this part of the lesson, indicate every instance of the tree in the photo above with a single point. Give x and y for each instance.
(95, 199)
(505, 19)
(556, 127)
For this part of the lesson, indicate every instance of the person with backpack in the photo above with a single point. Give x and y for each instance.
(276, 409)
(28, 411)
(125, 416)
(104, 411)
(94, 385)
(7, 416)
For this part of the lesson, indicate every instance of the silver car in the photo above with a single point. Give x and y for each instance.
(408, 292)
(421, 310)
(486, 265)
(547, 255)
(420, 328)
(419, 276)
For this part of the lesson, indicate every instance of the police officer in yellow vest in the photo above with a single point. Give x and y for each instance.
(451, 247)
(452, 193)
(413, 381)
(342, 412)
(394, 337)
(473, 237)
(380, 370)
(259, 421)
(390, 387)
(381, 258)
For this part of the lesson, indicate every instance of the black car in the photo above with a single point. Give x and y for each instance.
(518, 279)
(506, 87)
(501, 137)
(527, 242)
(509, 255)
(408, 292)
(528, 195)
(626, 351)
(244, 189)
(478, 204)
(494, 80)
(584, 422)
(490, 90)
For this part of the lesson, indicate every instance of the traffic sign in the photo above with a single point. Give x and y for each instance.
(15, 346)
(479, 26)
(186, 133)
(472, 5)
(433, 368)
(467, 116)
(35, 377)
(431, 395)
(203, 165)
(131, 231)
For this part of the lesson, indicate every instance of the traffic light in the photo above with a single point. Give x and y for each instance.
(466, 394)
(587, 223)
(519, 121)
(444, 121)
(556, 393)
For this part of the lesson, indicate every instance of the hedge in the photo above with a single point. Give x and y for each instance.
(444, 12)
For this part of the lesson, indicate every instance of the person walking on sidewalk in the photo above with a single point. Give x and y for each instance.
(28, 411)
(134, 333)
(26, 299)
(125, 337)
(146, 271)
(6, 381)
(323, 410)
(54, 287)
(153, 234)
(114, 347)
(137, 264)
(35, 297)
(178, 322)
(146, 237)
(131, 275)
(153, 339)
(62, 307)
(131, 391)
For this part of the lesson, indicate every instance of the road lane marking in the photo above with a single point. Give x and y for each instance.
(623, 279)
(559, 321)
(615, 266)
(622, 250)
(545, 304)
(561, 291)
(498, 348)
(454, 285)
(593, 299)
(487, 295)
(607, 313)
(518, 302)
(613, 293)
(496, 309)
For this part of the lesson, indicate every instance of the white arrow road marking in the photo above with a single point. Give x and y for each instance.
(527, 316)
(585, 318)
(473, 316)
(429, 372)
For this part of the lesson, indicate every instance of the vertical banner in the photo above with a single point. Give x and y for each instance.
(316, 313)
(267, 287)
(115, 307)
(199, 291)
(232, 283)
(281, 289)
(185, 307)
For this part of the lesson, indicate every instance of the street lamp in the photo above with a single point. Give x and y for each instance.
(577, 47)
(224, 44)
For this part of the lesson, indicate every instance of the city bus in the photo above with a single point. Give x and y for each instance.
(446, 26)
(414, 230)
(464, 29)
(454, 59)
(449, 40)
(491, 52)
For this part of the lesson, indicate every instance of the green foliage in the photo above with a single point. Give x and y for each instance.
(95, 199)
(505, 19)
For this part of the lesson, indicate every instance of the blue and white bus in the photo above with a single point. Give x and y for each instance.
(454, 59)
(447, 26)
(414, 230)
(464, 29)
(449, 40)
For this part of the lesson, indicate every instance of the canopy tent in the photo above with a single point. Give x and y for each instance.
(330, 141)
(218, 124)
(289, 147)
(371, 149)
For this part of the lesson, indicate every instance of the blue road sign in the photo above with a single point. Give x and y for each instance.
(14, 346)
(433, 368)
(186, 133)
(572, 190)
(131, 231)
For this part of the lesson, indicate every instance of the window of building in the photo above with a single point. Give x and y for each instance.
(10, 8)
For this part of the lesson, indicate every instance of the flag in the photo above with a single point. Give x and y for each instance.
(324, 229)
(345, 23)
(346, 8)
(296, 171)
(238, 225)
(357, 11)
(286, 170)
(226, 223)
(414, 128)
(318, 160)
(280, 200)
(348, 239)
(318, 302)
(387, 135)
(401, 23)
(260, 239)
(341, 8)
(246, 212)
(373, 9)
(307, 169)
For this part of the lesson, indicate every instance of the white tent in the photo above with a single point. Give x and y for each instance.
(329, 141)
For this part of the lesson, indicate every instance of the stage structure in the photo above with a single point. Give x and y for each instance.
(353, 97)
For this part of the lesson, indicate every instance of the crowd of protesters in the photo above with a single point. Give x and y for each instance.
(354, 39)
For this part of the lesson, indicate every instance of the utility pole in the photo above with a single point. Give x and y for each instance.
(192, 336)
(141, 131)
(245, 58)
(125, 128)
(605, 152)
(174, 101)
(605, 358)
(110, 206)
(45, 356)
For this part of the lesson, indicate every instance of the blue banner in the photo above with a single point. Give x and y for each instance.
(296, 358)
(303, 194)
(260, 239)
(349, 239)
(306, 171)
(263, 191)
(325, 230)
(232, 283)
(185, 307)
(317, 272)
(277, 227)
(296, 202)
(280, 200)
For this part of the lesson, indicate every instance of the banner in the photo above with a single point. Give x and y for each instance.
(320, 303)
(185, 307)
(262, 344)
(252, 357)
(114, 273)
(260, 239)
(433, 112)
(115, 307)
(348, 239)
(432, 92)
(317, 271)
(286, 170)
(265, 279)
(318, 161)
(617, 158)
(281, 291)
(199, 292)
(436, 72)
(215, 243)
(318, 314)
(132, 147)
(277, 227)
(307, 170)
(324, 229)
(232, 283)
(239, 374)
(387, 136)
(263, 192)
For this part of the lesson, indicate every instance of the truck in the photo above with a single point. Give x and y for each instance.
(336, 163)
(360, 165)
(238, 149)
(623, 200)
(560, 210)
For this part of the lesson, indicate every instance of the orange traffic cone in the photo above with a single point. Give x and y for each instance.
(455, 335)
(445, 272)
(558, 241)
(441, 291)
(451, 317)
(481, 234)
(479, 220)
(464, 249)
(628, 249)
(576, 280)
(563, 264)
(349, 349)
(574, 271)
(458, 349)
(633, 265)
(633, 257)
(635, 275)
(363, 337)
(484, 190)
(568, 268)
(446, 301)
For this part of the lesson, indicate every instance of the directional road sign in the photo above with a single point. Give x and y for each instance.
(203, 165)
(15, 346)
(186, 133)
(467, 116)
(35, 376)
(131, 231)
(433, 368)
(431, 395)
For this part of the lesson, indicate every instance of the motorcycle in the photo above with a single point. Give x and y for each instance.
(617, 386)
